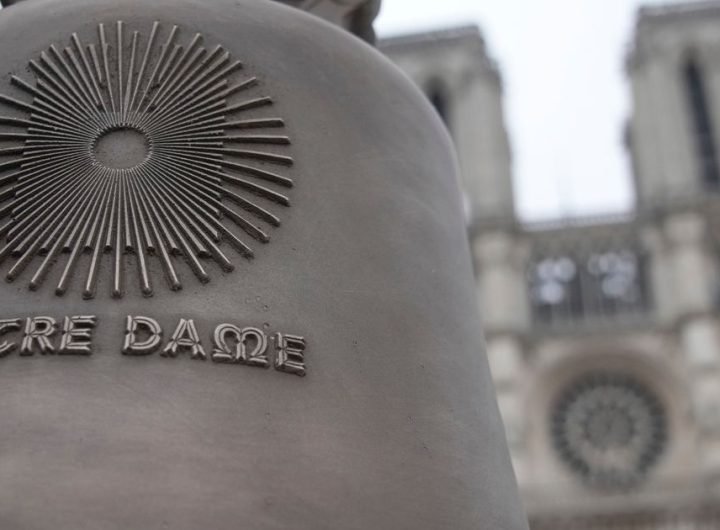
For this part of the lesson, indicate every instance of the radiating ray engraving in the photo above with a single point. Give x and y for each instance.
(140, 146)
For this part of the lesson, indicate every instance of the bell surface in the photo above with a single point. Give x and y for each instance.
(239, 291)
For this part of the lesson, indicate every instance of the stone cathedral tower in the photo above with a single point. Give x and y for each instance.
(603, 333)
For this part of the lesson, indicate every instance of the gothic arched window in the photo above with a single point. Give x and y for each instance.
(700, 110)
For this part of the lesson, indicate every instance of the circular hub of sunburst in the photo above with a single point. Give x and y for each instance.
(135, 149)
(121, 147)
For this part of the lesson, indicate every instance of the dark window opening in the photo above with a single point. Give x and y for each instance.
(439, 99)
(702, 124)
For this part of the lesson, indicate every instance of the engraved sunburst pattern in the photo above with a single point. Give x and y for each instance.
(134, 148)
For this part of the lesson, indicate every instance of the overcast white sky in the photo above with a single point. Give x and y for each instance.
(567, 98)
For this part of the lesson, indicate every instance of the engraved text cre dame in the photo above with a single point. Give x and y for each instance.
(231, 344)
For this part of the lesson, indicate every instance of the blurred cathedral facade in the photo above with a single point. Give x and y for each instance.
(603, 333)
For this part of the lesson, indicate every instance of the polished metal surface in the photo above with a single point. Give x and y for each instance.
(238, 290)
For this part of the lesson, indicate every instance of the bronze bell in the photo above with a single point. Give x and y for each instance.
(239, 291)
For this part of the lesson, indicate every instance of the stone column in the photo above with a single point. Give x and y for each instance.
(661, 135)
(501, 259)
(482, 144)
(645, 137)
(660, 274)
(711, 73)
(677, 150)
(694, 287)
